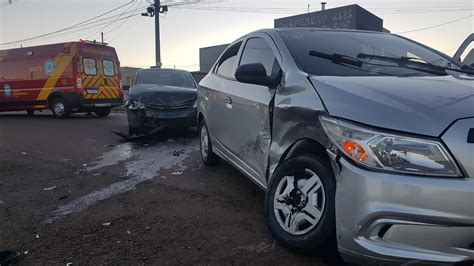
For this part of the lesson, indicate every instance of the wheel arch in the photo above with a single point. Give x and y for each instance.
(52, 96)
(304, 146)
(200, 118)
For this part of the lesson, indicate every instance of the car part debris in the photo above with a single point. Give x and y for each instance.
(37, 236)
(24, 153)
(177, 172)
(107, 224)
(9, 257)
(178, 153)
(63, 197)
(135, 135)
(49, 188)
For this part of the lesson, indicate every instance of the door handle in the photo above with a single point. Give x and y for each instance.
(228, 102)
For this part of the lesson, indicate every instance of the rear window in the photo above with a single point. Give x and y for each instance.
(90, 67)
(166, 78)
(109, 67)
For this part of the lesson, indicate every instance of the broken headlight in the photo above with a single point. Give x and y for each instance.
(132, 104)
(389, 152)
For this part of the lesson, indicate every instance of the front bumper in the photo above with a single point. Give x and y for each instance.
(149, 118)
(382, 217)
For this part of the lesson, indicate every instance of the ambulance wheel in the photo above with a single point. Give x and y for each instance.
(60, 108)
(102, 112)
(30, 112)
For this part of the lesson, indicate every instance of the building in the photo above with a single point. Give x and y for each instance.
(345, 17)
(209, 55)
(128, 76)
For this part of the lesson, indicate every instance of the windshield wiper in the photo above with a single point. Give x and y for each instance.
(338, 58)
(409, 62)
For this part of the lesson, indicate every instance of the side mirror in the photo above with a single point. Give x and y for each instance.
(255, 74)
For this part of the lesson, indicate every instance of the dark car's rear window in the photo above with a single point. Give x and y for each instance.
(166, 78)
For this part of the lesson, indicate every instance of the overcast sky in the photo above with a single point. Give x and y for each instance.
(186, 28)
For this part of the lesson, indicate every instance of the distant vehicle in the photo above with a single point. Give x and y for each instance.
(364, 139)
(161, 99)
(65, 77)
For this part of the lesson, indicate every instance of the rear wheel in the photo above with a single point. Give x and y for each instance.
(300, 204)
(30, 112)
(102, 112)
(208, 156)
(60, 108)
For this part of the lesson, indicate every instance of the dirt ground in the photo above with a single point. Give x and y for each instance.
(73, 192)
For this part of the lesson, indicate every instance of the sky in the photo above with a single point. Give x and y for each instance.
(187, 27)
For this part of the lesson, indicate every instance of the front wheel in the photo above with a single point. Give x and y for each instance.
(209, 158)
(102, 112)
(60, 108)
(300, 204)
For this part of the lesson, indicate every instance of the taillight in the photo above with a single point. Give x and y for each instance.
(78, 83)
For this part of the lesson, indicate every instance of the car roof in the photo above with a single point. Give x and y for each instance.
(162, 69)
(300, 29)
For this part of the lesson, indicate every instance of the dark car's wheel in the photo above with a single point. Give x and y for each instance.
(102, 112)
(60, 108)
(299, 204)
(208, 156)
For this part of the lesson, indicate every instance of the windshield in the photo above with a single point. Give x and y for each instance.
(166, 78)
(353, 45)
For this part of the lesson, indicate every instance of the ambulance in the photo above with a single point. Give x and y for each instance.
(66, 78)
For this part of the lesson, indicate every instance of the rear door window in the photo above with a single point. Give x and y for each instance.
(109, 68)
(90, 66)
(225, 66)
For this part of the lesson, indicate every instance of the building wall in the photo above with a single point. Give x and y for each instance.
(209, 55)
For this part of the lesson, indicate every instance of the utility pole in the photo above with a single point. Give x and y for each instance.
(102, 37)
(154, 11)
(157, 34)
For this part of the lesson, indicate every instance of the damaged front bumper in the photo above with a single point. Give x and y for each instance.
(143, 119)
(396, 218)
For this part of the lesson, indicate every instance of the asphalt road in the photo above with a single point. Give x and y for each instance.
(71, 191)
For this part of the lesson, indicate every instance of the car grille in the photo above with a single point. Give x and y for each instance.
(183, 105)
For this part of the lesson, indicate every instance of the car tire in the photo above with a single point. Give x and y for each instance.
(30, 112)
(208, 157)
(60, 108)
(312, 196)
(102, 112)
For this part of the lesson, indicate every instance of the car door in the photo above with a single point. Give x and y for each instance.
(248, 110)
(465, 53)
(213, 92)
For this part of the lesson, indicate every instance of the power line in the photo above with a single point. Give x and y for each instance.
(435, 26)
(67, 28)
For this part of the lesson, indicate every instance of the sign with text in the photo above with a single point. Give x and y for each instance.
(346, 17)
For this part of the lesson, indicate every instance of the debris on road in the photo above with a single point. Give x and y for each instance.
(9, 257)
(109, 145)
(69, 264)
(178, 153)
(49, 188)
(177, 172)
(84, 165)
(128, 232)
(37, 236)
(107, 224)
(98, 174)
(24, 153)
(63, 197)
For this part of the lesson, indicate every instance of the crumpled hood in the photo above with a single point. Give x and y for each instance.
(150, 94)
(422, 105)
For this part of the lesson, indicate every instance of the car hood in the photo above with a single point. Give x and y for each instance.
(422, 105)
(150, 94)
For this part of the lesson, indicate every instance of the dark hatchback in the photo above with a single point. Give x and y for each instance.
(161, 99)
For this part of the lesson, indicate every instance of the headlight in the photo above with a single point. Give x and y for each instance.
(134, 104)
(389, 152)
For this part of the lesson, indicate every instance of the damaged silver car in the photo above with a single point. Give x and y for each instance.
(161, 99)
(359, 138)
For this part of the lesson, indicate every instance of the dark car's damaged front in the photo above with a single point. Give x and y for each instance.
(161, 99)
